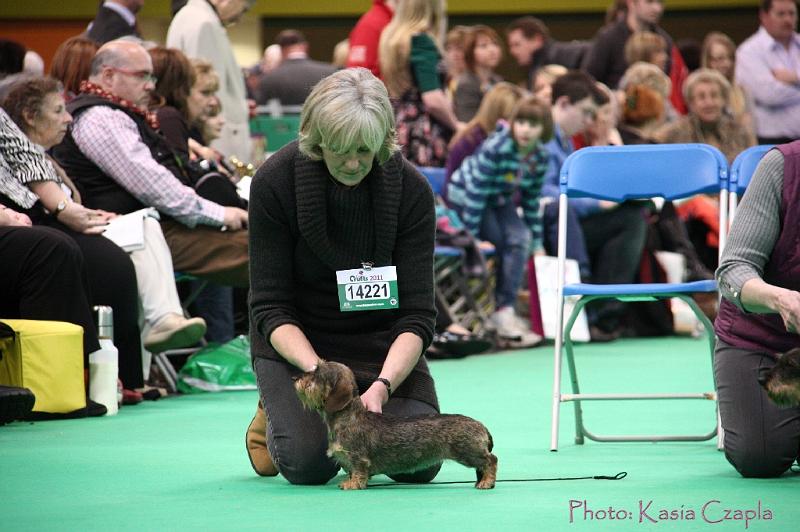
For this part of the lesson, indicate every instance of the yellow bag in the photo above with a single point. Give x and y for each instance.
(47, 358)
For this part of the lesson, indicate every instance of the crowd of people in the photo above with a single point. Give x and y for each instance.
(121, 124)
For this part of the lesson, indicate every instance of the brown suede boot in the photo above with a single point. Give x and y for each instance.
(256, 442)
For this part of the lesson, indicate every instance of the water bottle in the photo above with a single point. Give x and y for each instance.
(104, 363)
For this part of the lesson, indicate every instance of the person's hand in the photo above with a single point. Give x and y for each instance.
(785, 75)
(485, 245)
(375, 397)
(204, 152)
(789, 309)
(607, 205)
(540, 253)
(460, 126)
(12, 218)
(83, 220)
(235, 218)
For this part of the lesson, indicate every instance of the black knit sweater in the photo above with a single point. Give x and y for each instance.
(304, 226)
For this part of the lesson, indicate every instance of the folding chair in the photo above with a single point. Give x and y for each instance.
(468, 300)
(161, 360)
(742, 171)
(620, 173)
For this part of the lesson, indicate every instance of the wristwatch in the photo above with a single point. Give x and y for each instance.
(60, 207)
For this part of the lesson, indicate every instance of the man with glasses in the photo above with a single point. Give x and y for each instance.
(121, 163)
(198, 30)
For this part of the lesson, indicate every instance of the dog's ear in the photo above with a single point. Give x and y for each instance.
(340, 396)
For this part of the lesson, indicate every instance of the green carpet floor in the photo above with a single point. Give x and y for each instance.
(179, 463)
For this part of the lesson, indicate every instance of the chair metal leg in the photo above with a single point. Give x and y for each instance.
(580, 430)
(557, 358)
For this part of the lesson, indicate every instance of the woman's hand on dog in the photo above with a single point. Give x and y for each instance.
(375, 397)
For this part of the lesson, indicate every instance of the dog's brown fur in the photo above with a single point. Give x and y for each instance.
(782, 382)
(366, 444)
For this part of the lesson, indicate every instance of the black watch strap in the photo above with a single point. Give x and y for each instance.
(386, 383)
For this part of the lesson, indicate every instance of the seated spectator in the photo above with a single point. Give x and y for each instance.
(454, 46)
(651, 76)
(37, 106)
(409, 58)
(529, 42)
(183, 103)
(292, 80)
(212, 124)
(707, 93)
(480, 191)
(121, 164)
(482, 54)
(719, 53)
(496, 105)
(602, 131)
(543, 82)
(43, 277)
(642, 113)
(72, 63)
(111, 277)
(605, 238)
(648, 47)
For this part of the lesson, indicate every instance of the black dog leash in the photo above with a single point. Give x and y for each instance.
(618, 476)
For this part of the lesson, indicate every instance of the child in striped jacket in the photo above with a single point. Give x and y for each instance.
(508, 166)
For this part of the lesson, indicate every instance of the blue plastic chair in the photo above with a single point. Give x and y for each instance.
(467, 300)
(742, 170)
(435, 176)
(620, 173)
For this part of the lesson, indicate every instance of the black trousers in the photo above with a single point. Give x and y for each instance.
(298, 439)
(614, 239)
(43, 277)
(761, 438)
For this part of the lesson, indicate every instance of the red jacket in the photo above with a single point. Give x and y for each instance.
(366, 35)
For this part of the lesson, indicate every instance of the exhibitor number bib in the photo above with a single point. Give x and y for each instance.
(367, 288)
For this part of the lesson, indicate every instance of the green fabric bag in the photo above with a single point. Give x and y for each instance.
(218, 368)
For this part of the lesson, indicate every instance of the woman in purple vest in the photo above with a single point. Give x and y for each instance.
(759, 318)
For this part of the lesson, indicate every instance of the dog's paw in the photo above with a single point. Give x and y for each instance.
(485, 484)
(352, 484)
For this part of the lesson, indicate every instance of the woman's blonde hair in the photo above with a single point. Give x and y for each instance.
(496, 104)
(205, 70)
(716, 37)
(642, 45)
(411, 17)
(346, 110)
(707, 75)
(641, 73)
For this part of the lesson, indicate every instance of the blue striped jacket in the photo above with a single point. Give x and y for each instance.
(492, 175)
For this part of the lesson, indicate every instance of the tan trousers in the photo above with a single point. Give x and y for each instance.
(208, 253)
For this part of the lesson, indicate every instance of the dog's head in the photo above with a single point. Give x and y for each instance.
(328, 388)
(782, 381)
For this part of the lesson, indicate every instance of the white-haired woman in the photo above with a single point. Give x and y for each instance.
(410, 57)
(338, 205)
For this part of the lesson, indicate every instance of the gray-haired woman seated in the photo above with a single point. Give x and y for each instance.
(341, 262)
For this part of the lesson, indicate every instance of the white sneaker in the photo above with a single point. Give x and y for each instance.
(512, 331)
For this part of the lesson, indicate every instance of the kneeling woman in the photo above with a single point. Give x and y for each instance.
(337, 206)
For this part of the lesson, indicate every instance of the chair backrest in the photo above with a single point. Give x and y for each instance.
(435, 176)
(618, 173)
(744, 166)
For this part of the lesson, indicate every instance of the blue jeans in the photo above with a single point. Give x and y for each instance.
(503, 227)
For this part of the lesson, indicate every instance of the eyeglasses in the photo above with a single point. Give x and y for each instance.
(143, 75)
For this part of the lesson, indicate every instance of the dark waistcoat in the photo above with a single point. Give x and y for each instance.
(766, 332)
(98, 190)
